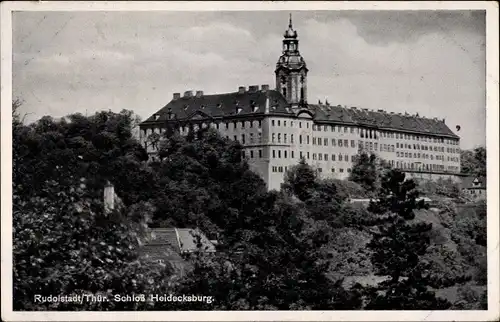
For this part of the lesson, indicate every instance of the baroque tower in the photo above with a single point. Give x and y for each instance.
(291, 70)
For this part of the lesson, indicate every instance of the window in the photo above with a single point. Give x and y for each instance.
(251, 154)
(333, 142)
(242, 124)
(345, 129)
(348, 169)
(307, 155)
(314, 141)
(291, 138)
(300, 154)
(340, 157)
(376, 146)
(333, 169)
(274, 154)
(341, 170)
(260, 153)
(284, 123)
(325, 128)
(260, 124)
(279, 154)
(325, 142)
(251, 124)
(251, 137)
(333, 128)
(319, 141)
(300, 124)
(279, 123)
(235, 138)
(272, 122)
(320, 157)
(285, 154)
(397, 145)
(292, 154)
(273, 137)
(284, 137)
(352, 130)
(227, 125)
(340, 142)
(326, 157)
(353, 158)
(307, 139)
(235, 125)
(353, 144)
(346, 143)
(279, 137)
(300, 139)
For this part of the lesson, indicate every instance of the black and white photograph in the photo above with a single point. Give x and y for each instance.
(250, 161)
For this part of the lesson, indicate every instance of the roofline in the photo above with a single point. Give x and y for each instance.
(293, 116)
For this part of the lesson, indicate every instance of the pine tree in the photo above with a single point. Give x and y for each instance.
(398, 247)
(364, 171)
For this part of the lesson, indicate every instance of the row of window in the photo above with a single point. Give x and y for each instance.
(278, 123)
(253, 154)
(424, 156)
(279, 169)
(334, 142)
(372, 134)
(324, 156)
(419, 167)
(425, 147)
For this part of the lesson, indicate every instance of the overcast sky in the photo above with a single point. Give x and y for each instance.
(432, 63)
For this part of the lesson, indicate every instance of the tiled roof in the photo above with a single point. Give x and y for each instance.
(182, 240)
(468, 182)
(254, 102)
(219, 105)
(380, 119)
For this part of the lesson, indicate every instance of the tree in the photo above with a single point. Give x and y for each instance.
(398, 247)
(473, 162)
(300, 180)
(367, 171)
(281, 265)
(64, 243)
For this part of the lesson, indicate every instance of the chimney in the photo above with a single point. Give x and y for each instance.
(253, 88)
(199, 93)
(188, 94)
(177, 96)
(264, 87)
(241, 90)
(109, 197)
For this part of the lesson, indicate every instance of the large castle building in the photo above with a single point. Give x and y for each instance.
(279, 126)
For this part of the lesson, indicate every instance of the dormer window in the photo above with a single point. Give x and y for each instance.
(156, 117)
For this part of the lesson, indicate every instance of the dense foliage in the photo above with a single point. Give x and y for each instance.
(473, 162)
(284, 250)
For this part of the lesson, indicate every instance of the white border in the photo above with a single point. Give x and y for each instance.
(492, 127)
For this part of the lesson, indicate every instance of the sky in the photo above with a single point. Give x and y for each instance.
(426, 62)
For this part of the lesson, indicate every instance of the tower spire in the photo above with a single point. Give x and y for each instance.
(290, 24)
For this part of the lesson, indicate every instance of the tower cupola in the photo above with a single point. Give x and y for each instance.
(291, 70)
